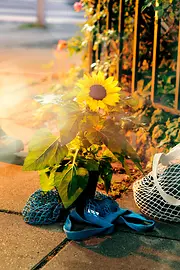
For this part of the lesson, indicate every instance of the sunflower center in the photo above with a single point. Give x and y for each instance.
(97, 92)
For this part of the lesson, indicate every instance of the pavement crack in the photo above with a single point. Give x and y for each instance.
(50, 255)
(10, 212)
(150, 235)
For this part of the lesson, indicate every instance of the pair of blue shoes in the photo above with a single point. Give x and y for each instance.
(100, 216)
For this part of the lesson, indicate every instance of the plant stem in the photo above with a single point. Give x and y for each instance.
(75, 156)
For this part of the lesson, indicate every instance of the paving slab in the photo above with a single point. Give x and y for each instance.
(127, 201)
(168, 230)
(22, 246)
(119, 251)
(16, 186)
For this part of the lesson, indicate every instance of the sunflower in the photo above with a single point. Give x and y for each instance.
(98, 92)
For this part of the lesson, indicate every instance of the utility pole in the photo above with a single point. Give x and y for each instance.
(41, 12)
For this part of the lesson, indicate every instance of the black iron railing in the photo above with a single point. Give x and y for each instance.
(117, 22)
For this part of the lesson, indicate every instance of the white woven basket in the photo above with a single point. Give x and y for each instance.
(158, 194)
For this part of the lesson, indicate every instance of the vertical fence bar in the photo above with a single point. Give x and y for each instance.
(136, 45)
(90, 56)
(108, 25)
(120, 35)
(92, 39)
(157, 25)
(90, 51)
(98, 27)
(108, 22)
(93, 52)
(177, 93)
(101, 23)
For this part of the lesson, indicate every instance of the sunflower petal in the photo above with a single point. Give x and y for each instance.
(100, 76)
(109, 80)
(93, 104)
(102, 105)
(111, 90)
(111, 99)
(114, 84)
(87, 76)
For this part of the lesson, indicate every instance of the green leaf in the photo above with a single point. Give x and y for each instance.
(173, 135)
(71, 107)
(117, 143)
(91, 165)
(45, 151)
(107, 154)
(69, 95)
(146, 5)
(85, 143)
(63, 181)
(95, 137)
(70, 128)
(49, 99)
(93, 119)
(131, 153)
(79, 180)
(177, 139)
(125, 165)
(160, 13)
(46, 179)
(111, 132)
(106, 172)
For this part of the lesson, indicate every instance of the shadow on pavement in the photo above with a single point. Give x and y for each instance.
(151, 252)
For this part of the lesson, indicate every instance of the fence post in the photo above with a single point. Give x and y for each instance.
(177, 93)
(98, 27)
(90, 49)
(136, 45)
(92, 38)
(41, 12)
(108, 21)
(157, 25)
(120, 32)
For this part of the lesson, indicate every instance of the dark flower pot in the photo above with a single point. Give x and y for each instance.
(88, 193)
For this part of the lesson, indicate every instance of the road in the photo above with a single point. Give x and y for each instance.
(61, 19)
(56, 11)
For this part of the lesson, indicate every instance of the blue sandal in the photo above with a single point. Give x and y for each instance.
(102, 214)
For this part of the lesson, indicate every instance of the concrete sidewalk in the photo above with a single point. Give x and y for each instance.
(46, 247)
(20, 35)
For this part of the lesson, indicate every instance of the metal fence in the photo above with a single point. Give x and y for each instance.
(158, 24)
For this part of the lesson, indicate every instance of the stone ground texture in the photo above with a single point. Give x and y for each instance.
(45, 247)
(22, 245)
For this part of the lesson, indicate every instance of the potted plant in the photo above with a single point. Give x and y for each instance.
(90, 137)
